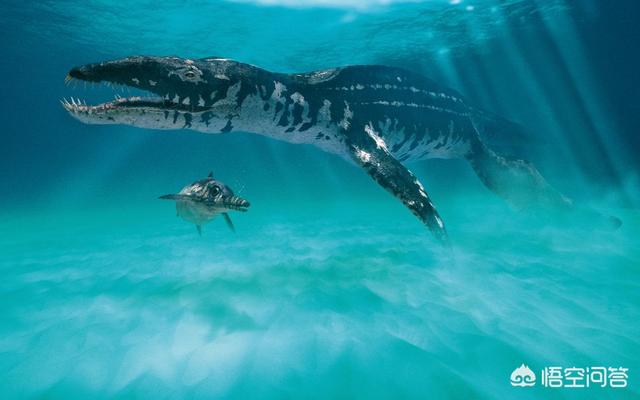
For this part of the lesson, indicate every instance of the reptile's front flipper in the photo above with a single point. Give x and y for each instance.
(369, 151)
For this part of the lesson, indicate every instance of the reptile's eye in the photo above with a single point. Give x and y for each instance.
(215, 190)
(190, 74)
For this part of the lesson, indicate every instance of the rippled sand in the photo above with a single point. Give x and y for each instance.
(331, 308)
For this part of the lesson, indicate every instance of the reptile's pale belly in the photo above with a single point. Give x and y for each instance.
(413, 148)
(442, 139)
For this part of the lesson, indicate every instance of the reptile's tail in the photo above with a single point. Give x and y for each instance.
(503, 136)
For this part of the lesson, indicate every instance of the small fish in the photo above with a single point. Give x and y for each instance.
(204, 199)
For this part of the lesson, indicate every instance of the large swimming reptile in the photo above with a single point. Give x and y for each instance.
(374, 116)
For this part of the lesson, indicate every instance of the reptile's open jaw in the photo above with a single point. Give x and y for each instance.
(171, 87)
(78, 106)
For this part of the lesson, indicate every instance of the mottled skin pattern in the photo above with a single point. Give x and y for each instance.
(374, 116)
(204, 199)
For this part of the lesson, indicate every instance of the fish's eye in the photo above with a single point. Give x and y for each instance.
(215, 190)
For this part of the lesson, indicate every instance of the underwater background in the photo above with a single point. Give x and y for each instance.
(329, 288)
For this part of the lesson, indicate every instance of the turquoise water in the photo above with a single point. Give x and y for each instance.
(329, 288)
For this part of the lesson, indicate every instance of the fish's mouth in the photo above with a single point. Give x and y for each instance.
(235, 203)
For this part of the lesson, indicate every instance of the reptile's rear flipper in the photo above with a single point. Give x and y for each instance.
(370, 152)
(517, 181)
(520, 184)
